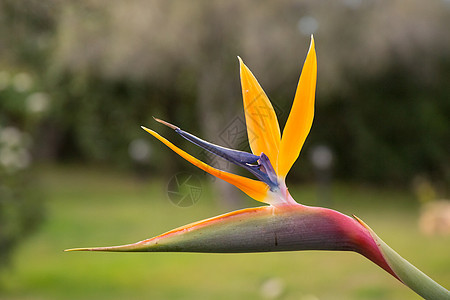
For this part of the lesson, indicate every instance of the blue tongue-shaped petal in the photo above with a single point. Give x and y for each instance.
(260, 166)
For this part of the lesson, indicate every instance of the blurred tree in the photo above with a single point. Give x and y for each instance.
(21, 207)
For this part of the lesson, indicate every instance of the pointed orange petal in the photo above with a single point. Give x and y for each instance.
(255, 189)
(301, 115)
(262, 123)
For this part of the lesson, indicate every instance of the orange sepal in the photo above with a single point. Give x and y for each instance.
(262, 123)
(301, 116)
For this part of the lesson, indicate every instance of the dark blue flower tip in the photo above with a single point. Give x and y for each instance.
(267, 168)
(259, 166)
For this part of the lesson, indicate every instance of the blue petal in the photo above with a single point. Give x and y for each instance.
(259, 166)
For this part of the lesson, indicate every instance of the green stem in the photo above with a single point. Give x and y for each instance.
(415, 279)
(412, 277)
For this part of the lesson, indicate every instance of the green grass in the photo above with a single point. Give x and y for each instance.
(96, 207)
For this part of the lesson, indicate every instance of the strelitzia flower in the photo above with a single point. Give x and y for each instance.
(284, 224)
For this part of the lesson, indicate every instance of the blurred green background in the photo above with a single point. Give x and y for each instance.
(77, 79)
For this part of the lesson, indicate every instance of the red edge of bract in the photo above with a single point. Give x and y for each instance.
(370, 248)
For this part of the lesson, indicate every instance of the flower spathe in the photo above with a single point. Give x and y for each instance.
(283, 225)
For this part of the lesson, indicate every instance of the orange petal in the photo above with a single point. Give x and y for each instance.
(301, 115)
(262, 124)
(255, 189)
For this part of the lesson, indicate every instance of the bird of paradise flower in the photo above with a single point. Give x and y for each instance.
(283, 225)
